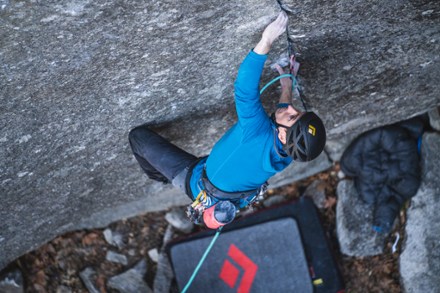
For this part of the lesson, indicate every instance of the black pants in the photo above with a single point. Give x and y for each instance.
(159, 159)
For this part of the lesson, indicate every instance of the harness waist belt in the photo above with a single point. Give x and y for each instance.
(212, 190)
(188, 178)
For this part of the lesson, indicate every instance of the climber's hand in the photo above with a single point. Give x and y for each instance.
(271, 33)
(275, 28)
(286, 82)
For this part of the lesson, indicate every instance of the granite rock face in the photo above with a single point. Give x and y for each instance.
(420, 259)
(12, 282)
(434, 118)
(354, 223)
(300, 170)
(75, 76)
(131, 281)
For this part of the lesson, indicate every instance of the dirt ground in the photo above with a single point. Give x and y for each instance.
(55, 266)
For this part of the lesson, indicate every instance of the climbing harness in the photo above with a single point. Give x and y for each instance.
(219, 194)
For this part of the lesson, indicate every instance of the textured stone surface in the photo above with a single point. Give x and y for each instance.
(116, 257)
(178, 219)
(300, 170)
(164, 273)
(434, 118)
(64, 289)
(336, 147)
(354, 221)
(131, 281)
(113, 238)
(87, 276)
(153, 254)
(274, 200)
(420, 260)
(316, 191)
(75, 76)
(11, 282)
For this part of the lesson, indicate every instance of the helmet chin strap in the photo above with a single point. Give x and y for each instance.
(276, 123)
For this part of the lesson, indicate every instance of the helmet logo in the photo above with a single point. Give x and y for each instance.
(312, 130)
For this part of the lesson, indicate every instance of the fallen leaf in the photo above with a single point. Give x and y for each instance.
(90, 239)
(100, 282)
(40, 278)
(39, 288)
(330, 202)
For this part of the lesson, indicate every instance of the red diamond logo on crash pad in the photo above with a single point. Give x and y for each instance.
(229, 272)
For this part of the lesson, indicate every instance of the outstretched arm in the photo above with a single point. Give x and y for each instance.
(247, 95)
(271, 33)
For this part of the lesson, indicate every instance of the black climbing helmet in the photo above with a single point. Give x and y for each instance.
(305, 139)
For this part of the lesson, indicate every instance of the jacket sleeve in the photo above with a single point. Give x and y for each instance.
(250, 111)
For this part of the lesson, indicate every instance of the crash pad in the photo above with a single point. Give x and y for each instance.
(282, 248)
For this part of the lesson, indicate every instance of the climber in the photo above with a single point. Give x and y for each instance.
(248, 154)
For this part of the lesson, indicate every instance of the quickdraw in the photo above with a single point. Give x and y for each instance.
(195, 211)
(292, 53)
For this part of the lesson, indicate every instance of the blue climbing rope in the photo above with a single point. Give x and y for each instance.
(202, 259)
(294, 82)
